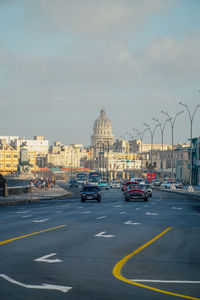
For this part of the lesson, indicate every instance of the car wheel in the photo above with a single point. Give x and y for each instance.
(82, 200)
(126, 199)
(146, 199)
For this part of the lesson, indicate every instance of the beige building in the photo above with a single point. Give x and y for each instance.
(66, 155)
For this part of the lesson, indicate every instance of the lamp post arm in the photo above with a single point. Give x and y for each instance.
(195, 111)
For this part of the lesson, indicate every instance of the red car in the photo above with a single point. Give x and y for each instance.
(126, 184)
(136, 191)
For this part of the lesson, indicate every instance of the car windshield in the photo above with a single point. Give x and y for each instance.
(136, 187)
(103, 182)
(90, 189)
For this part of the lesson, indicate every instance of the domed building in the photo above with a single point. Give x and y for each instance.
(102, 131)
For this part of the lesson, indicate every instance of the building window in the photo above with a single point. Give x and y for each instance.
(15, 155)
(1, 155)
(8, 165)
(8, 155)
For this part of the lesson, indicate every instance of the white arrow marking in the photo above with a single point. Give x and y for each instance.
(50, 261)
(102, 234)
(40, 221)
(151, 214)
(131, 223)
(27, 216)
(123, 212)
(58, 211)
(103, 217)
(22, 212)
(44, 286)
(117, 206)
(177, 208)
(137, 208)
(165, 281)
(85, 212)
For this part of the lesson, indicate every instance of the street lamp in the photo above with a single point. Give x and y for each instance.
(152, 135)
(162, 127)
(172, 123)
(191, 116)
(141, 135)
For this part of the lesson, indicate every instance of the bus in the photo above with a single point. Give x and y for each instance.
(81, 178)
(94, 177)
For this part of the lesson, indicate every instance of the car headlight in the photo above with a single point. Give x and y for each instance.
(83, 195)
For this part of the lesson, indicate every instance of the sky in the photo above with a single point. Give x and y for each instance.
(61, 61)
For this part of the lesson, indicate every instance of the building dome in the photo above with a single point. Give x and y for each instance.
(102, 131)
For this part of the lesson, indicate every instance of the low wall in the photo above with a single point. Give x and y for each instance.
(17, 190)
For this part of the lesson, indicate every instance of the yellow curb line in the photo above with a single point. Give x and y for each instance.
(30, 234)
(118, 268)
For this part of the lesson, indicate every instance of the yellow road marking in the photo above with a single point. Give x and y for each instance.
(30, 234)
(118, 268)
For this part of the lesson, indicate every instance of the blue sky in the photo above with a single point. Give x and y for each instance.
(62, 61)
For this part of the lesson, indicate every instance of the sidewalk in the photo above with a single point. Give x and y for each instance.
(36, 196)
(184, 190)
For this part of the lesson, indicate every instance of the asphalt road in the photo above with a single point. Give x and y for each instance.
(66, 249)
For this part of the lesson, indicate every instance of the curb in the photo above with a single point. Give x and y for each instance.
(192, 195)
(33, 200)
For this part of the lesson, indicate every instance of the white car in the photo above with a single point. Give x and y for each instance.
(139, 180)
(115, 184)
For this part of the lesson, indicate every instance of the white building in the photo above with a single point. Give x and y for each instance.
(39, 144)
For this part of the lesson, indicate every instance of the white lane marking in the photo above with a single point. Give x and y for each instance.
(102, 234)
(137, 208)
(165, 281)
(58, 211)
(131, 223)
(80, 207)
(27, 216)
(40, 221)
(44, 286)
(151, 214)
(85, 212)
(65, 205)
(99, 218)
(117, 206)
(145, 205)
(179, 208)
(50, 261)
(23, 212)
(123, 212)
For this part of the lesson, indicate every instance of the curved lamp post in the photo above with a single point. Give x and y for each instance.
(162, 128)
(152, 132)
(141, 135)
(172, 123)
(191, 116)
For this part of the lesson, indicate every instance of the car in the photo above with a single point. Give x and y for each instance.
(156, 183)
(90, 192)
(136, 191)
(138, 179)
(73, 183)
(149, 189)
(115, 184)
(178, 184)
(103, 185)
(126, 184)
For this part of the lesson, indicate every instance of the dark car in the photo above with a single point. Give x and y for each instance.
(73, 183)
(90, 192)
(136, 191)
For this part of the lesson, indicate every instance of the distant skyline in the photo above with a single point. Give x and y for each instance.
(62, 61)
